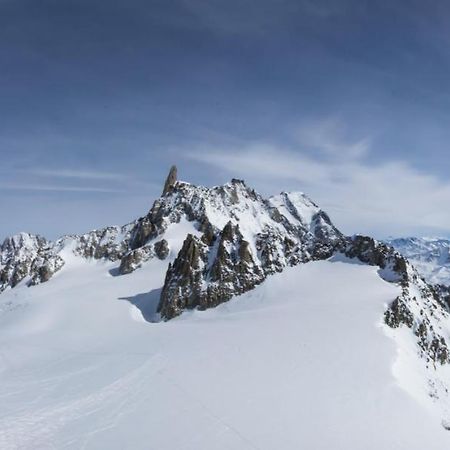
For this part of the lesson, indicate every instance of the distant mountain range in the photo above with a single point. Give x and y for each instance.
(430, 256)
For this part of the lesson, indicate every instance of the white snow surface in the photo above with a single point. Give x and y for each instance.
(301, 362)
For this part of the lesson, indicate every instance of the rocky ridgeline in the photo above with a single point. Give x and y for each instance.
(27, 256)
(420, 306)
(33, 258)
(240, 239)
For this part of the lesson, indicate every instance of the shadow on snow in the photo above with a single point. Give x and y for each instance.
(147, 303)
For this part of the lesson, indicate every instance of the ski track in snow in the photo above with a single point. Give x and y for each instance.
(34, 424)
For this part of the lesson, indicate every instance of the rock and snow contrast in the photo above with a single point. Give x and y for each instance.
(430, 256)
(220, 320)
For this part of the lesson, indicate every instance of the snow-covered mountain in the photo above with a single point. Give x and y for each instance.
(430, 256)
(218, 320)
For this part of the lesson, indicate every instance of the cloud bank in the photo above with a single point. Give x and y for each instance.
(391, 198)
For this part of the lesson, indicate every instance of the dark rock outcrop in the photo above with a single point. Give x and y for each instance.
(162, 249)
(142, 231)
(135, 258)
(170, 180)
(182, 286)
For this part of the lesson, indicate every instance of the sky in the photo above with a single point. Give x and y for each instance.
(347, 101)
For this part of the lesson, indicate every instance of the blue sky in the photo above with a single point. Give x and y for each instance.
(348, 101)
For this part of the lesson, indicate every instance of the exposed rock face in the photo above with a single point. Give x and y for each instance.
(393, 266)
(44, 267)
(170, 180)
(444, 295)
(420, 309)
(204, 276)
(135, 258)
(27, 256)
(245, 238)
(420, 306)
(107, 243)
(162, 249)
(142, 231)
(183, 278)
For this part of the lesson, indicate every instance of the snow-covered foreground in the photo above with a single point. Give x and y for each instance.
(302, 361)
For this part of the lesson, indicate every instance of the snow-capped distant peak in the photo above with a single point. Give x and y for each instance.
(430, 255)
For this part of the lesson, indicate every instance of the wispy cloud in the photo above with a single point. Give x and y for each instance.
(255, 17)
(74, 180)
(77, 174)
(55, 188)
(385, 198)
(330, 137)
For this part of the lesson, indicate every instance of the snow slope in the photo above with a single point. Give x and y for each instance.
(302, 361)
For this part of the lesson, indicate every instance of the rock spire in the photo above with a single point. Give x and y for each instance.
(170, 180)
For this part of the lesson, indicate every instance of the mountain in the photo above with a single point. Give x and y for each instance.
(220, 319)
(430, 256)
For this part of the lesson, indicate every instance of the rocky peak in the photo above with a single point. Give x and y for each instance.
(170, 180)
(20, 245)
(245, 238)
(26, 255)
(237, 239)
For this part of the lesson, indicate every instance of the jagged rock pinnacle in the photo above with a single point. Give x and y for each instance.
(170, 180)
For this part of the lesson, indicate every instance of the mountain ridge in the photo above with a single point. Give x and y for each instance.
(239, 240)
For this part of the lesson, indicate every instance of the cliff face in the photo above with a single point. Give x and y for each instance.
(244, 238)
